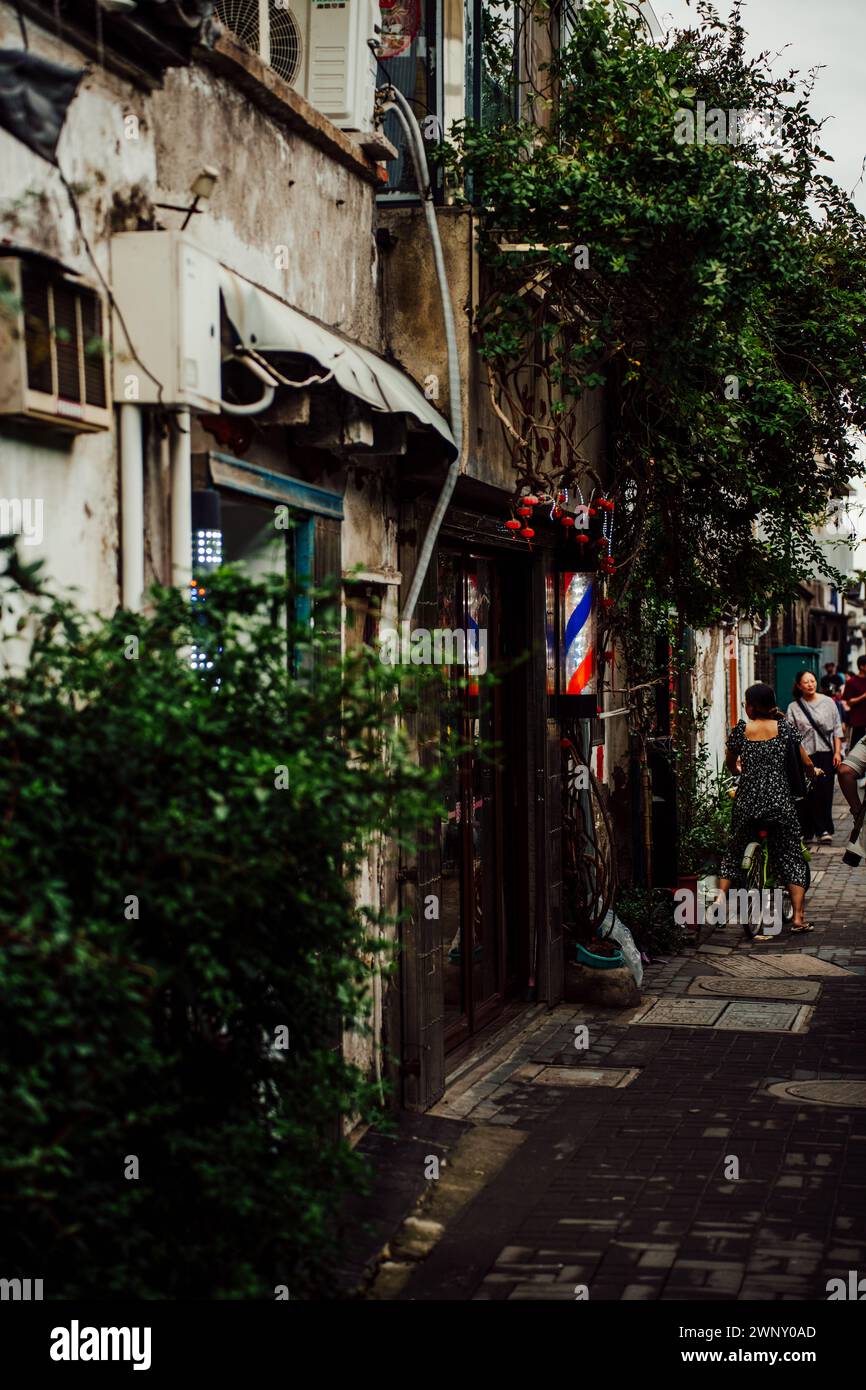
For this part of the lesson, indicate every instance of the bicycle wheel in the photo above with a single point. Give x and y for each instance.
(755, 865)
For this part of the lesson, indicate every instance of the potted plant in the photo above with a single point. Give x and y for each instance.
(649, 916)
(600, 954)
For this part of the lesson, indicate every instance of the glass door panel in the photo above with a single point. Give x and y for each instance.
(471, 910)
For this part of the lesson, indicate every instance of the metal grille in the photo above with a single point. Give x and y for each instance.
(242, 18)
(37, 330)
(286, 47)
(64, 346)
(67, 342)
(284, 50)
(94, 348)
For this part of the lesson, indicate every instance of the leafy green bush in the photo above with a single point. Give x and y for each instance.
(704, 808)
(649, 916)
(714, 287)
(177, 854)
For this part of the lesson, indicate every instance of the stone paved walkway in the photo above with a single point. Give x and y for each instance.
(682, 1177)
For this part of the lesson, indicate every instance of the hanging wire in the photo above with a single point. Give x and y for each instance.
(100, 47)
(21, 25)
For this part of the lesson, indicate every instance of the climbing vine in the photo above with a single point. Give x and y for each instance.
(658, 225)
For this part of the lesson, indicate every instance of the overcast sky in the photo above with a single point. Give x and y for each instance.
(827, 32)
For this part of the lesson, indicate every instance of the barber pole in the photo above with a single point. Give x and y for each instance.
(578, 646)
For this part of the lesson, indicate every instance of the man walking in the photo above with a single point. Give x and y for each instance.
(854, 696)
(852, 775)
(831, 681)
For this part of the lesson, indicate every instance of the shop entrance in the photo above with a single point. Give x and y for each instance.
(484, 959)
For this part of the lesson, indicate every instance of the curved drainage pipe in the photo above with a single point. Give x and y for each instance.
(254, 407)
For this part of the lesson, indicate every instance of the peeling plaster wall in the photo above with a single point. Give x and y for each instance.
(280, 202)
(710, 685)
(415, 334)
(275, 191)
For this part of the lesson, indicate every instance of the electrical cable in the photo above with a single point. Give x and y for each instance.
(278, 376)
(21, 25)
(76, 212)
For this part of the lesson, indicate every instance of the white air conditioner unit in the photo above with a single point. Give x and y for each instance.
(320, 47)
(53, 358)
(167, 330)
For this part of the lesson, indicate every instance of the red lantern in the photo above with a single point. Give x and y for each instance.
(512, 525)
(527, 532)
(568, 521)
(583, 538)
(530, 501)
(524, 511)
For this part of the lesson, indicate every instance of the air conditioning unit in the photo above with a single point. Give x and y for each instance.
(53, 358)
(318, 46)
(167, 321)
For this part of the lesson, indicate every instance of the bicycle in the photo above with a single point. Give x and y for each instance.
(759, 881)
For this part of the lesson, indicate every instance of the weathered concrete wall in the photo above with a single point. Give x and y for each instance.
(710, 684)
(414, 332)
(274, 191)
(413, 326)
(283, 214)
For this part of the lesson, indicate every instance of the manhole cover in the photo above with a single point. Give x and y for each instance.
(757, 1014)
(749, 1015)
(848, 1093)
(758, 964)
(690, 1013)
(779, 988)
(586, 1076)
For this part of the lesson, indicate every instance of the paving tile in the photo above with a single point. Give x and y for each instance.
(622, 1187)
(798, 964)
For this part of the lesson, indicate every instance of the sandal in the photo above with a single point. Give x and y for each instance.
(798, 931)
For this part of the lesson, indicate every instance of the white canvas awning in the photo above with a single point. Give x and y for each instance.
(266, 324)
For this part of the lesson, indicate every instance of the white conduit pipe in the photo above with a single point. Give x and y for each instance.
(131, 507)
(396, 102)
(255, 407)
(181, 501)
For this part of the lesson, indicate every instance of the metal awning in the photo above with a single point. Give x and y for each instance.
(266, 324)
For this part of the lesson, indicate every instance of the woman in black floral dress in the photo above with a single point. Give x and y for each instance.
(757, 748)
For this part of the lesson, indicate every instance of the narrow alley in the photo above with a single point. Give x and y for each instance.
(706, 1145)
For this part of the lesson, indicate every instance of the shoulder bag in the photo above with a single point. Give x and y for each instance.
(795, 772)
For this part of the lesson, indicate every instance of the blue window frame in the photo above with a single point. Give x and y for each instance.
(309, 548)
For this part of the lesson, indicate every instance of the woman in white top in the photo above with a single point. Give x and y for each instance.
(816, 719)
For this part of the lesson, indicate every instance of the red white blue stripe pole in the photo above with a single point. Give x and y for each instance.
(578, 645)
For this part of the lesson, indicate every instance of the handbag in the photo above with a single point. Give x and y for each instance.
(795, 771)
(828, 738)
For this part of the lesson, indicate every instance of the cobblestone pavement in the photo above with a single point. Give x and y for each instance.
(681, 1177)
